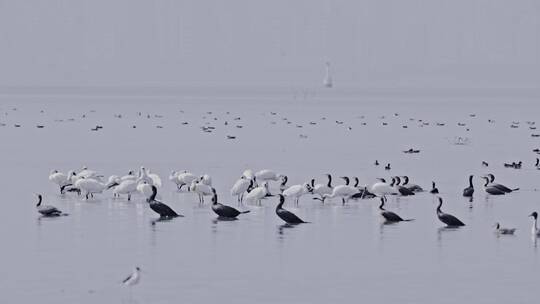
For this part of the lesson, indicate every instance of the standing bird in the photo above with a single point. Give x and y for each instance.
(535, 231)
(240, 187)
(296, 191)
(448, 219)
(90, 186)
(61, 179)
(47, 210)
(287, 216)
(390, 216)
(164, 211)
(173, 177)
(257, 193)
(343, 191)
(185, 178)
(126, 187)
(434, 189)
(322, 189)
(468, 192)
(382, 188)
(223, 210)
(500, 230)
(201, 189)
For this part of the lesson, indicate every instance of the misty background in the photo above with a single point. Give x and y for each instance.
(242, 43)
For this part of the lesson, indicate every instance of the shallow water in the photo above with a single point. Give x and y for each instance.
(345, 255)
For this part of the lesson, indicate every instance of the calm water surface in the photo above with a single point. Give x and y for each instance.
(345, 255)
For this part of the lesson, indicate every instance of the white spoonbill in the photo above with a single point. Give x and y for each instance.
(60, 179)
(126, 187)
(296, 191)
(257, 194)
(90, 186)
(240, 187)
(201, 190)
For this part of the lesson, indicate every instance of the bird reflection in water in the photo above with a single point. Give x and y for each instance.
(218, 219)
(282, 229)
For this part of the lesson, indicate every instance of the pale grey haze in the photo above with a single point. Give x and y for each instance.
(373, 43)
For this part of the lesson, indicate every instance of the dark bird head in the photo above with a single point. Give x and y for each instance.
(138, 268)
(534, 214)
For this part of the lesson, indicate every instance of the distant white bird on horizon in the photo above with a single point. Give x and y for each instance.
(328, 78)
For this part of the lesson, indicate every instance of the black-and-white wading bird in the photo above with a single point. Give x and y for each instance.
(47, 210)
(469, 191)
(164, 211)
(448, 219)
(224, 211)
(286, 215)
(389, 216)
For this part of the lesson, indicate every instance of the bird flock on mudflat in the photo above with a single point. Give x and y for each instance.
(256, 187)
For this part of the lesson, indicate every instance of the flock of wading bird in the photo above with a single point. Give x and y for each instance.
(254, 187)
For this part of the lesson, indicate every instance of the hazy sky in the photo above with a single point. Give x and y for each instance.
(370, 43)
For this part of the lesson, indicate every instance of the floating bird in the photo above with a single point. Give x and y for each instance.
(47, 210)
(500, 230)
(468, 192)
(403, 191)
(448, 219)
(412, 187)
(491, 189)
(287, 216)
(499, 186)
(390, 216)
(160, 208)
(223, 210)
